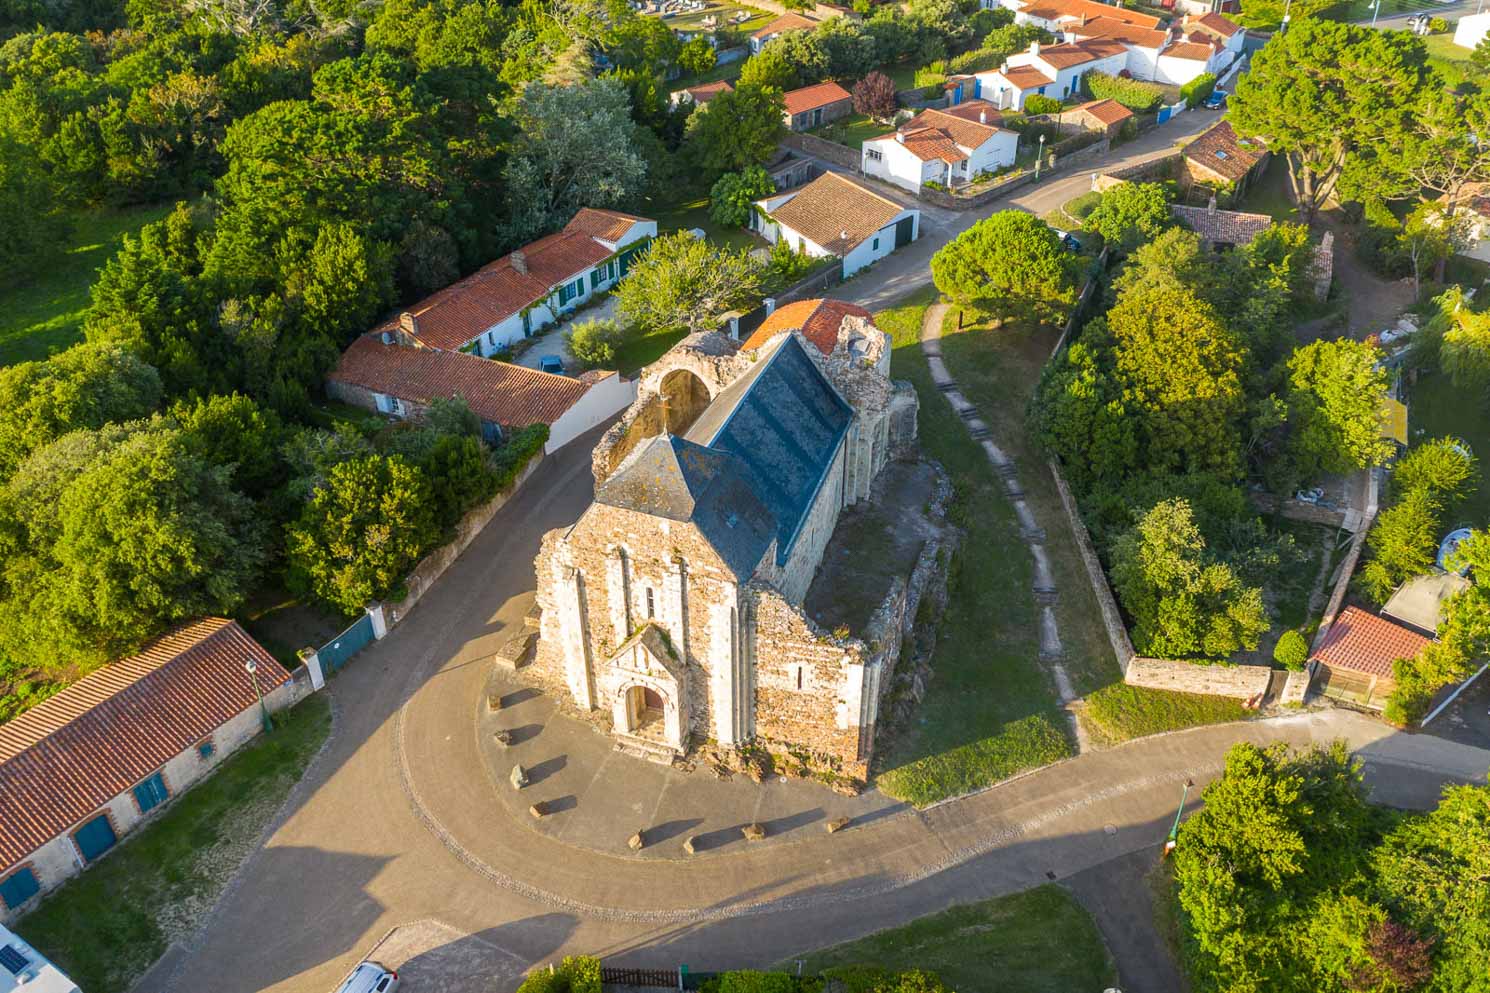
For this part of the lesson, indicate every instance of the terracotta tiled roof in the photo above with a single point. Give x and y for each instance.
(965, 130)
(973, 110)
(1221, 151)
(1215, 24)
(1124, 31)
(466, 309)
(836, 213)
(818, 320)
(1025, 77)
(928, 144)
(1193, 50)
(1051, 10)
(498, 392)
(66, 757)
(812, 97)
(785, 23)
(1102, 47)
(1066, 55)
(1224, 227)
(1364, 642)
(604, 225)
(708, 91)
(1109, 112)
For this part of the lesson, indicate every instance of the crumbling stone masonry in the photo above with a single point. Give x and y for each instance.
(672, 610)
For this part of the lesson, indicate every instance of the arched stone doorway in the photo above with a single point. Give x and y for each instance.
(649, 713)
(684, 397)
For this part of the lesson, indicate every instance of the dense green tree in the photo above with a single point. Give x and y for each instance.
(1428, 237)
(804, 52)
(685, 283)
(733, 196)
(1079, 414)
(850, 51)
(697, 56)
(1182, 601)
(1130, 214)
(769, 69)
(1010, 264)
(1403, 542)
(1336, 392)
(1465, 350)
(234, 432)
(1291, 651)
(737, 130)
(33, 229)
(85, 387)
(362, 532)
(1443, 466)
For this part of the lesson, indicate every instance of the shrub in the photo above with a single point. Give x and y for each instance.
(874, 96)
(1038, 103)
(521, 446)
(733, 195)
(1292, 651)
(1438, 25)
(978, 60)
(576, 974)
(1196, 91)
(595, 343)
(1137, 96)
(751, 981)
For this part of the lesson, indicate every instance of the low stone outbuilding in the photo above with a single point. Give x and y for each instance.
(87, 766)
(1354, 662)
(1223, 161)
(1102, 116)
(813, 106)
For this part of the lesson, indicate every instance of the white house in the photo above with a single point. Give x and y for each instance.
(1143, 44)
(1058, 16)
(1182, 62)
(83, 768)
(394, 374)
(1227, 33)
(950, 147)
(777, 28)
(1471, 30)
(25, 970)
(1054, 71)
(833, 215)
(529, 289)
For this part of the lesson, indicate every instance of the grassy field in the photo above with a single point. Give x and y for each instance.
(636, 355)
(45, 315)
(989, 711)
(852, 130)
(693, 212)
(1119, 712)
(722, 12)
(1435, 408)
(1268, 194)
(1038, 941)
(107, 926)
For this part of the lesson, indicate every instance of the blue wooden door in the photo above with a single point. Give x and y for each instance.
(19, 887)
(151, 793)
(334, 654)
(95, 838)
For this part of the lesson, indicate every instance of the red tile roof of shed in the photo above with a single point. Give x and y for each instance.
(1363, 642)
(811, 97)
(818, 320)
(607, 225)
(499, 392)
(784, 23)
(66, 757)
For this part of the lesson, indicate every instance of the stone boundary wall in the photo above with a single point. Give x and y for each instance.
(1240, 681)
(982, 198)
(1061, 159)
(286, 695)
(1112, 619)
(813, 285)
(433, 565)
(822, 148)
(1136, 173)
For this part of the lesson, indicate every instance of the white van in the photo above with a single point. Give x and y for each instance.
(370, 977)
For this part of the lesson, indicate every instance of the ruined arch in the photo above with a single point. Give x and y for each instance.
(683, 397)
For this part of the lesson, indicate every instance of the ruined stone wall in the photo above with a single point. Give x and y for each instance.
(803, 678)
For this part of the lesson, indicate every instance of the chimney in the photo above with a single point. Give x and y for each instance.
(519, 262)
(770, 305)
(982, 117)
(1034, 48)
(1210, 208)
(900, 135)
(408, 328)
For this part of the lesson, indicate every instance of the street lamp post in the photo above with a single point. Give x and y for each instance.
(1375, 9)
(1174, 830)
(252, 668)
(1038, 156)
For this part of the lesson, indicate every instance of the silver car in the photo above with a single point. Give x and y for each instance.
(370, 977)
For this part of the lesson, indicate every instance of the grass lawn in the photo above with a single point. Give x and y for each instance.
(636, 355)
(1435, 408)
(852, 130)
(107, 926)
(693, 212)
(1119, 712)
(1268, 194)
(46, 314)
(902, 75)
(990, 711)
(1038, 941)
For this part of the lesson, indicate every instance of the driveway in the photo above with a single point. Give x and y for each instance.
(401, 820)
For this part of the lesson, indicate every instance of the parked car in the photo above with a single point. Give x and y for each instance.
(1068, 241)
(551, 363)
(370, 977)
(1216, 100)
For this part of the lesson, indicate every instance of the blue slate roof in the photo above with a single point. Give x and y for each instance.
(752, 464)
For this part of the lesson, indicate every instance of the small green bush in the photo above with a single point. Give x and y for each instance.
(521, 446)
(1038, 103)
(752, 981)
(576, 974)
(1196, 91)
(1292, 651)
(595, 343)
(1437, 25)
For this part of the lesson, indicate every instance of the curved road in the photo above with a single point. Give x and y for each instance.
(398, 821)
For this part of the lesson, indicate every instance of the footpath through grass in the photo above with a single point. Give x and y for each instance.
(45, 315)
(107, 926)
(989, 711)
(1038, 941)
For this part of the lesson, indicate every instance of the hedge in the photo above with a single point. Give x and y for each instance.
(520, 448)
(1131, 93)
(576, 974)
(1196, 91)
(1037, 103)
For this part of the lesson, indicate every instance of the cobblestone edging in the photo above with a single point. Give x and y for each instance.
(1043, 588)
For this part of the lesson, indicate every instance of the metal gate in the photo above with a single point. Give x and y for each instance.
(904, 228)
(335, 652)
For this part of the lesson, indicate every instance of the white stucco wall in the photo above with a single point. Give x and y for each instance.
(1471, 30)
(995, 153)
(867, 253)
(601, 401)
(1142, 63)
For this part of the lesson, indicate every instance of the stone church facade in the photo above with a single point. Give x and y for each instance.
(672, 609)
